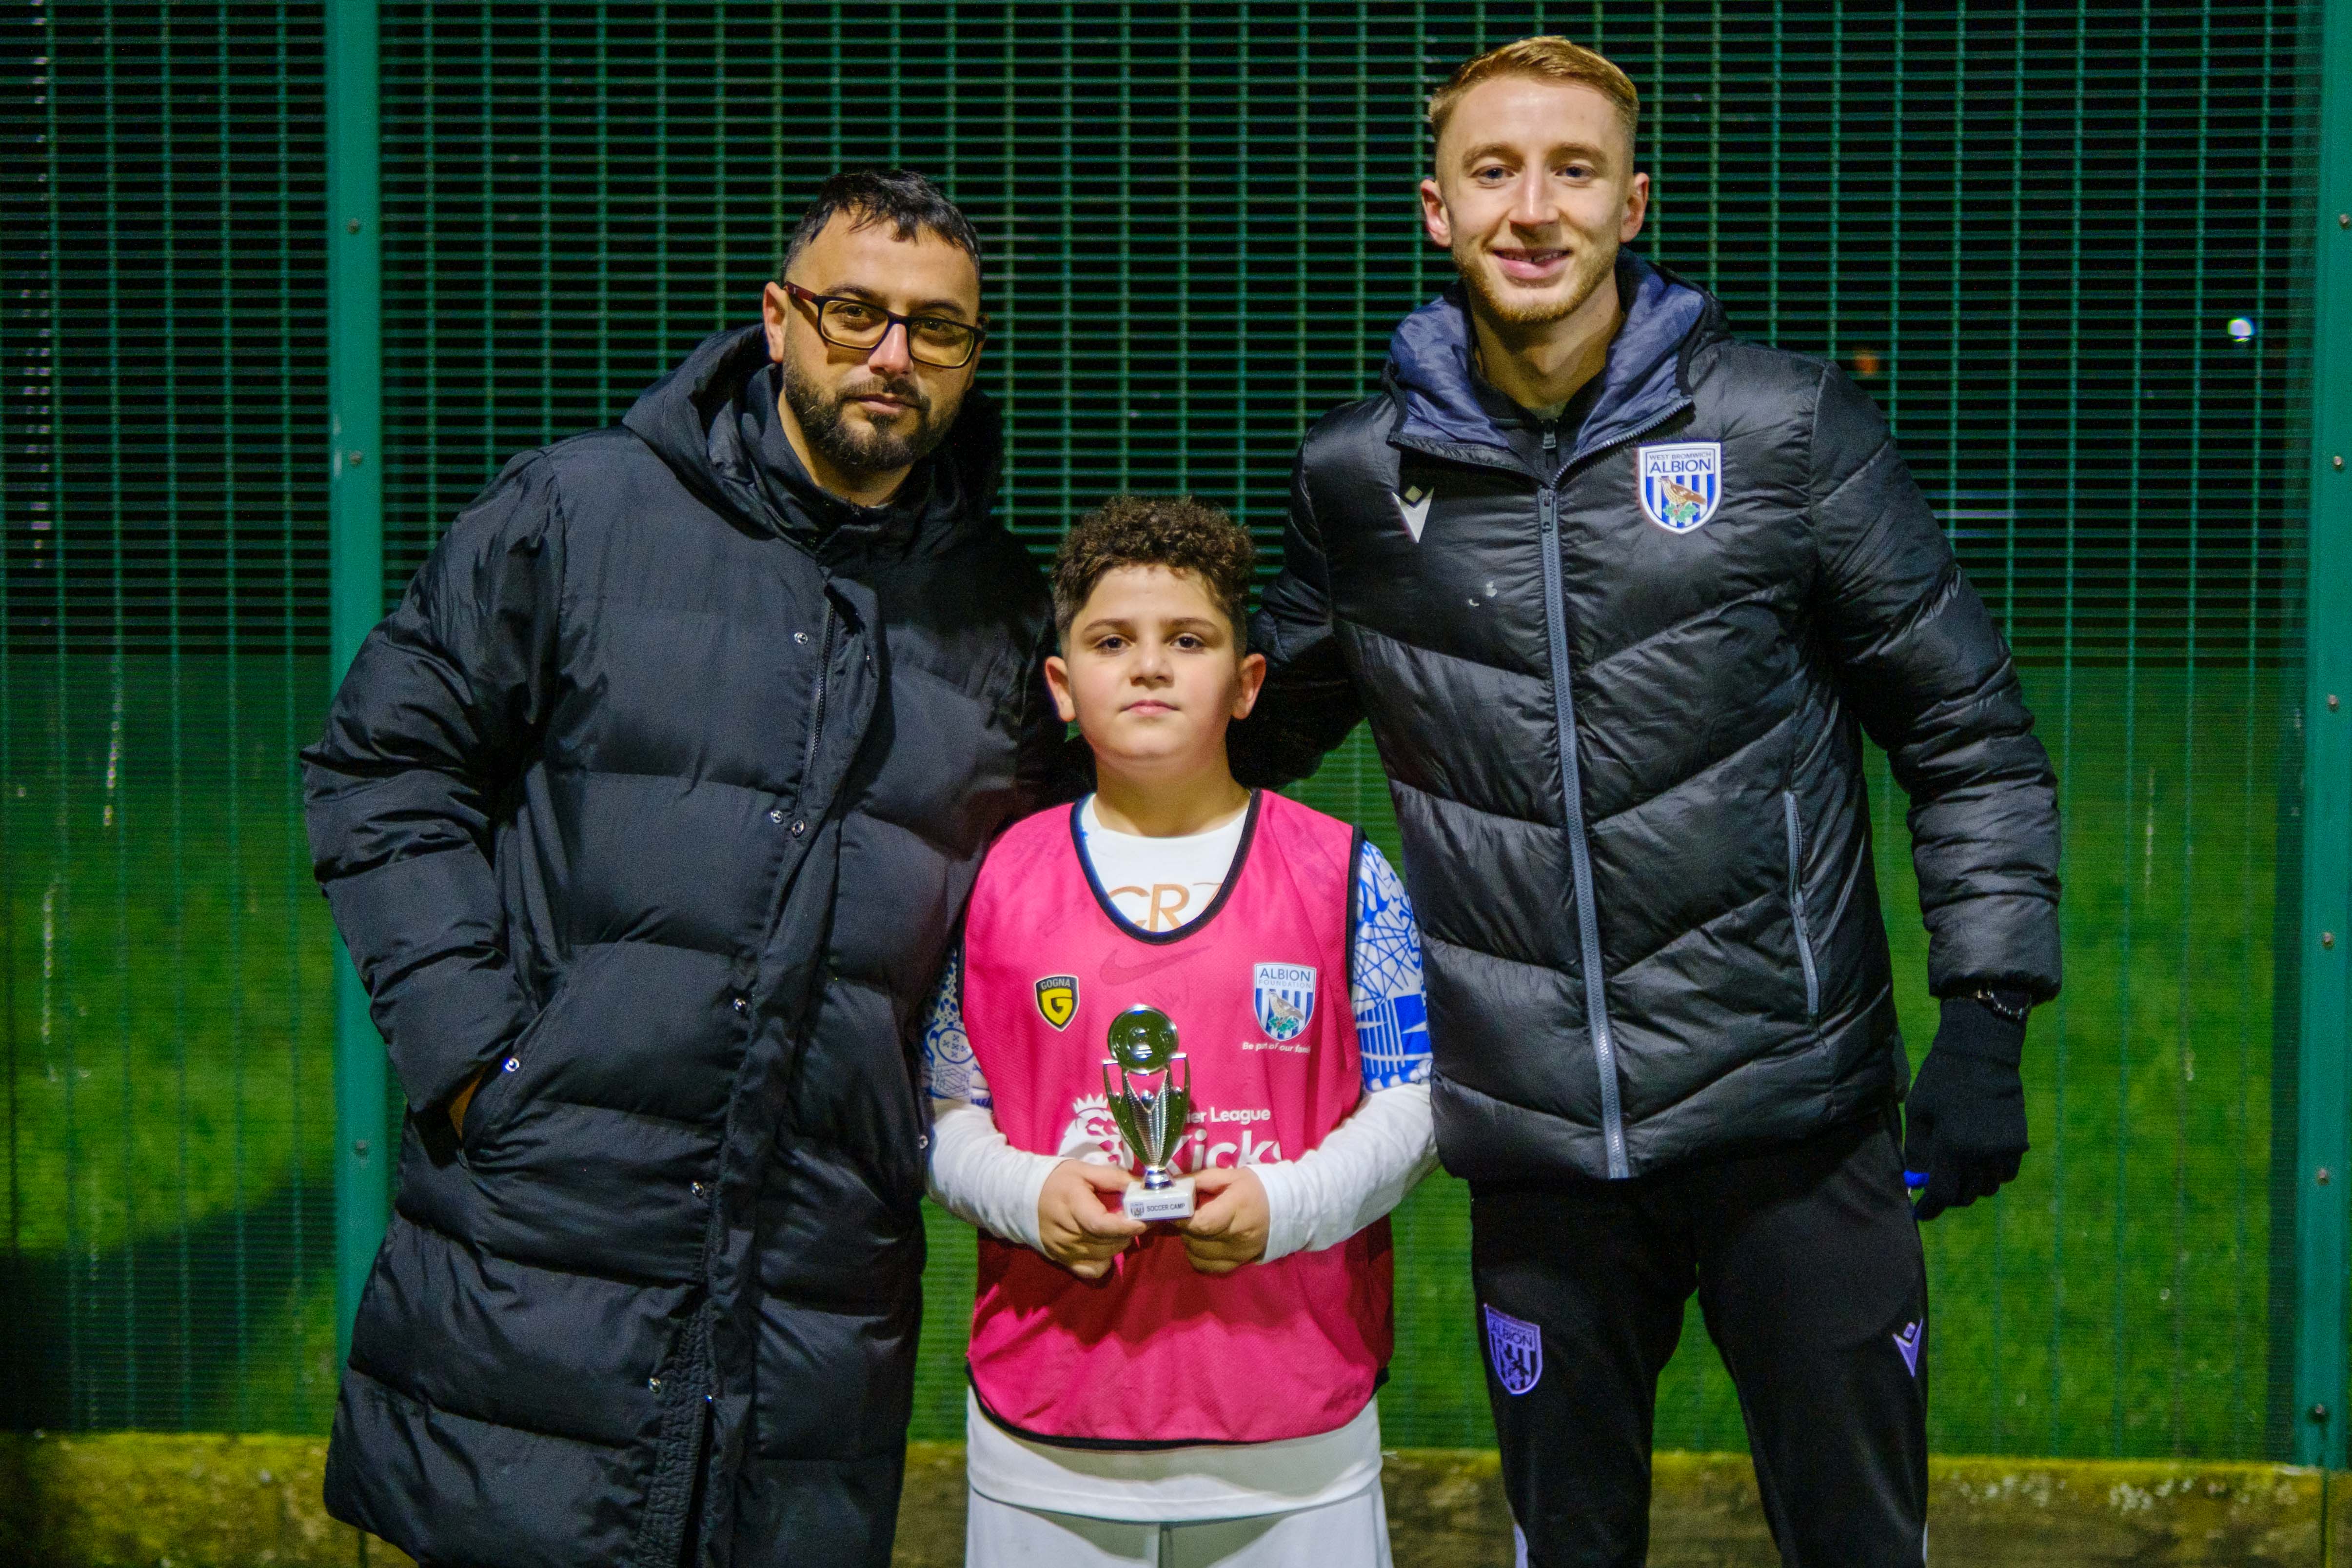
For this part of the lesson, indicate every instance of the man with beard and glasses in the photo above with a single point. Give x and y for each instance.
(1620, 595)
(646, 816)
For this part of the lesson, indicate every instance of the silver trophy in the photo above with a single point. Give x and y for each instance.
(1153, 1119)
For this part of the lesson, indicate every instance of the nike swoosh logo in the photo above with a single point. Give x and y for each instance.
(1119, 973)
(1415, 514)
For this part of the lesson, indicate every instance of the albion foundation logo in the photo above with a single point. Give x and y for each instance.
(1681, 484)
(1284, 997)
(1057, 999)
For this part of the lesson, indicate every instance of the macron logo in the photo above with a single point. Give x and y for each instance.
(1908, 1342)
(1413, 507)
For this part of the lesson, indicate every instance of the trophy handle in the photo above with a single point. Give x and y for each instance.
(1122, 1113)
(1177, 1099)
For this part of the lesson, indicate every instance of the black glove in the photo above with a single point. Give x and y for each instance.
(1964, 1124)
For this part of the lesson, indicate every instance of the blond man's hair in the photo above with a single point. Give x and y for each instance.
(1547, 58)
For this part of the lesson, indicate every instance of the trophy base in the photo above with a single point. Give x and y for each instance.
(1150, 1203)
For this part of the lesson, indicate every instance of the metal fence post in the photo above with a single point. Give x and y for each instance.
(2322, 1215)
(356, 580)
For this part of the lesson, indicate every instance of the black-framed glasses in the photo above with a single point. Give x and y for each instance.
(848, 322)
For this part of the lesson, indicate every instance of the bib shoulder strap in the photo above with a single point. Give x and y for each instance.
(1308, 836)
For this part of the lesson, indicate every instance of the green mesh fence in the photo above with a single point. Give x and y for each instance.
(2053, 241)
(162, 950)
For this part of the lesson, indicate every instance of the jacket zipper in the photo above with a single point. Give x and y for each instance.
(1596, 1002)
(816, 717)
(1797, 905)
(1572, 787)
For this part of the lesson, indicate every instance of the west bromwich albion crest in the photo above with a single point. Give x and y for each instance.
(1057, 999)
(1283, 998)
(1681, 484)
(1515, 1348)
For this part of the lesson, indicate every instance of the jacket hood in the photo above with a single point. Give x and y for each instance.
(709, 420)
(1430, 376)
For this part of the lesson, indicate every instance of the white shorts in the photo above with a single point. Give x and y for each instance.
(1351, 1533)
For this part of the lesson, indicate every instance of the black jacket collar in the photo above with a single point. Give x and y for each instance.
(1642, 382)
(713, 420)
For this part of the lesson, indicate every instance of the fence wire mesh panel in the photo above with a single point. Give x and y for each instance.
(2052, 241)
(169, 1213)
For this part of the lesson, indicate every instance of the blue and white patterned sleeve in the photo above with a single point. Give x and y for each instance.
(1392, 1016)
(950, 1071)
(973, 1172)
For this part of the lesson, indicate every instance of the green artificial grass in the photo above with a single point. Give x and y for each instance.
(170, 1109)
(170, 1099)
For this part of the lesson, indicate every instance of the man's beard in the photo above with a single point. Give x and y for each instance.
(1519, 310)
(856, 447)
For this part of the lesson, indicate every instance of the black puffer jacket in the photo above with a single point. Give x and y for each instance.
(1704, 844)
(658, 795)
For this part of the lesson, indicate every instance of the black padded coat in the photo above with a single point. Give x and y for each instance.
(1626, 757)
(657, 797)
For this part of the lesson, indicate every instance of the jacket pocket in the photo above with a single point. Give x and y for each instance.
(488, 1103)
(494, 1101)
(1797, 904)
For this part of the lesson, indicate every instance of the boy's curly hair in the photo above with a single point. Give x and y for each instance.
(1175, 532)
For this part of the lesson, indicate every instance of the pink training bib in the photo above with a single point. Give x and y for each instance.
(1155, 1354)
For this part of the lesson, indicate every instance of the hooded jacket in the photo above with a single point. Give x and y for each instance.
(656, 798)
(1622, 719)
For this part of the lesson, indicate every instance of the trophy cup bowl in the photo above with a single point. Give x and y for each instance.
(1153, 1119)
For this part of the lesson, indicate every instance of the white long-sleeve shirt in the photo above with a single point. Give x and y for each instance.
(1359, 1172)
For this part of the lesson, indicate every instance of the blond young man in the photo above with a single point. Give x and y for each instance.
(1619, 596)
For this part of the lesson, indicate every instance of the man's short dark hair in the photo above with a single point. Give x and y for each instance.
(902, 198)
(1175, 532)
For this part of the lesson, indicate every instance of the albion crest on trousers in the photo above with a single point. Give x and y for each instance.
(1515, 1346)
(1681, 484)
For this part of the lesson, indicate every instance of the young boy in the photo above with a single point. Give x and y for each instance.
(1196, 1392)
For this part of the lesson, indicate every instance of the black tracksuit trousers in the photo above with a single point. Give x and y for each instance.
(1809, 1272)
